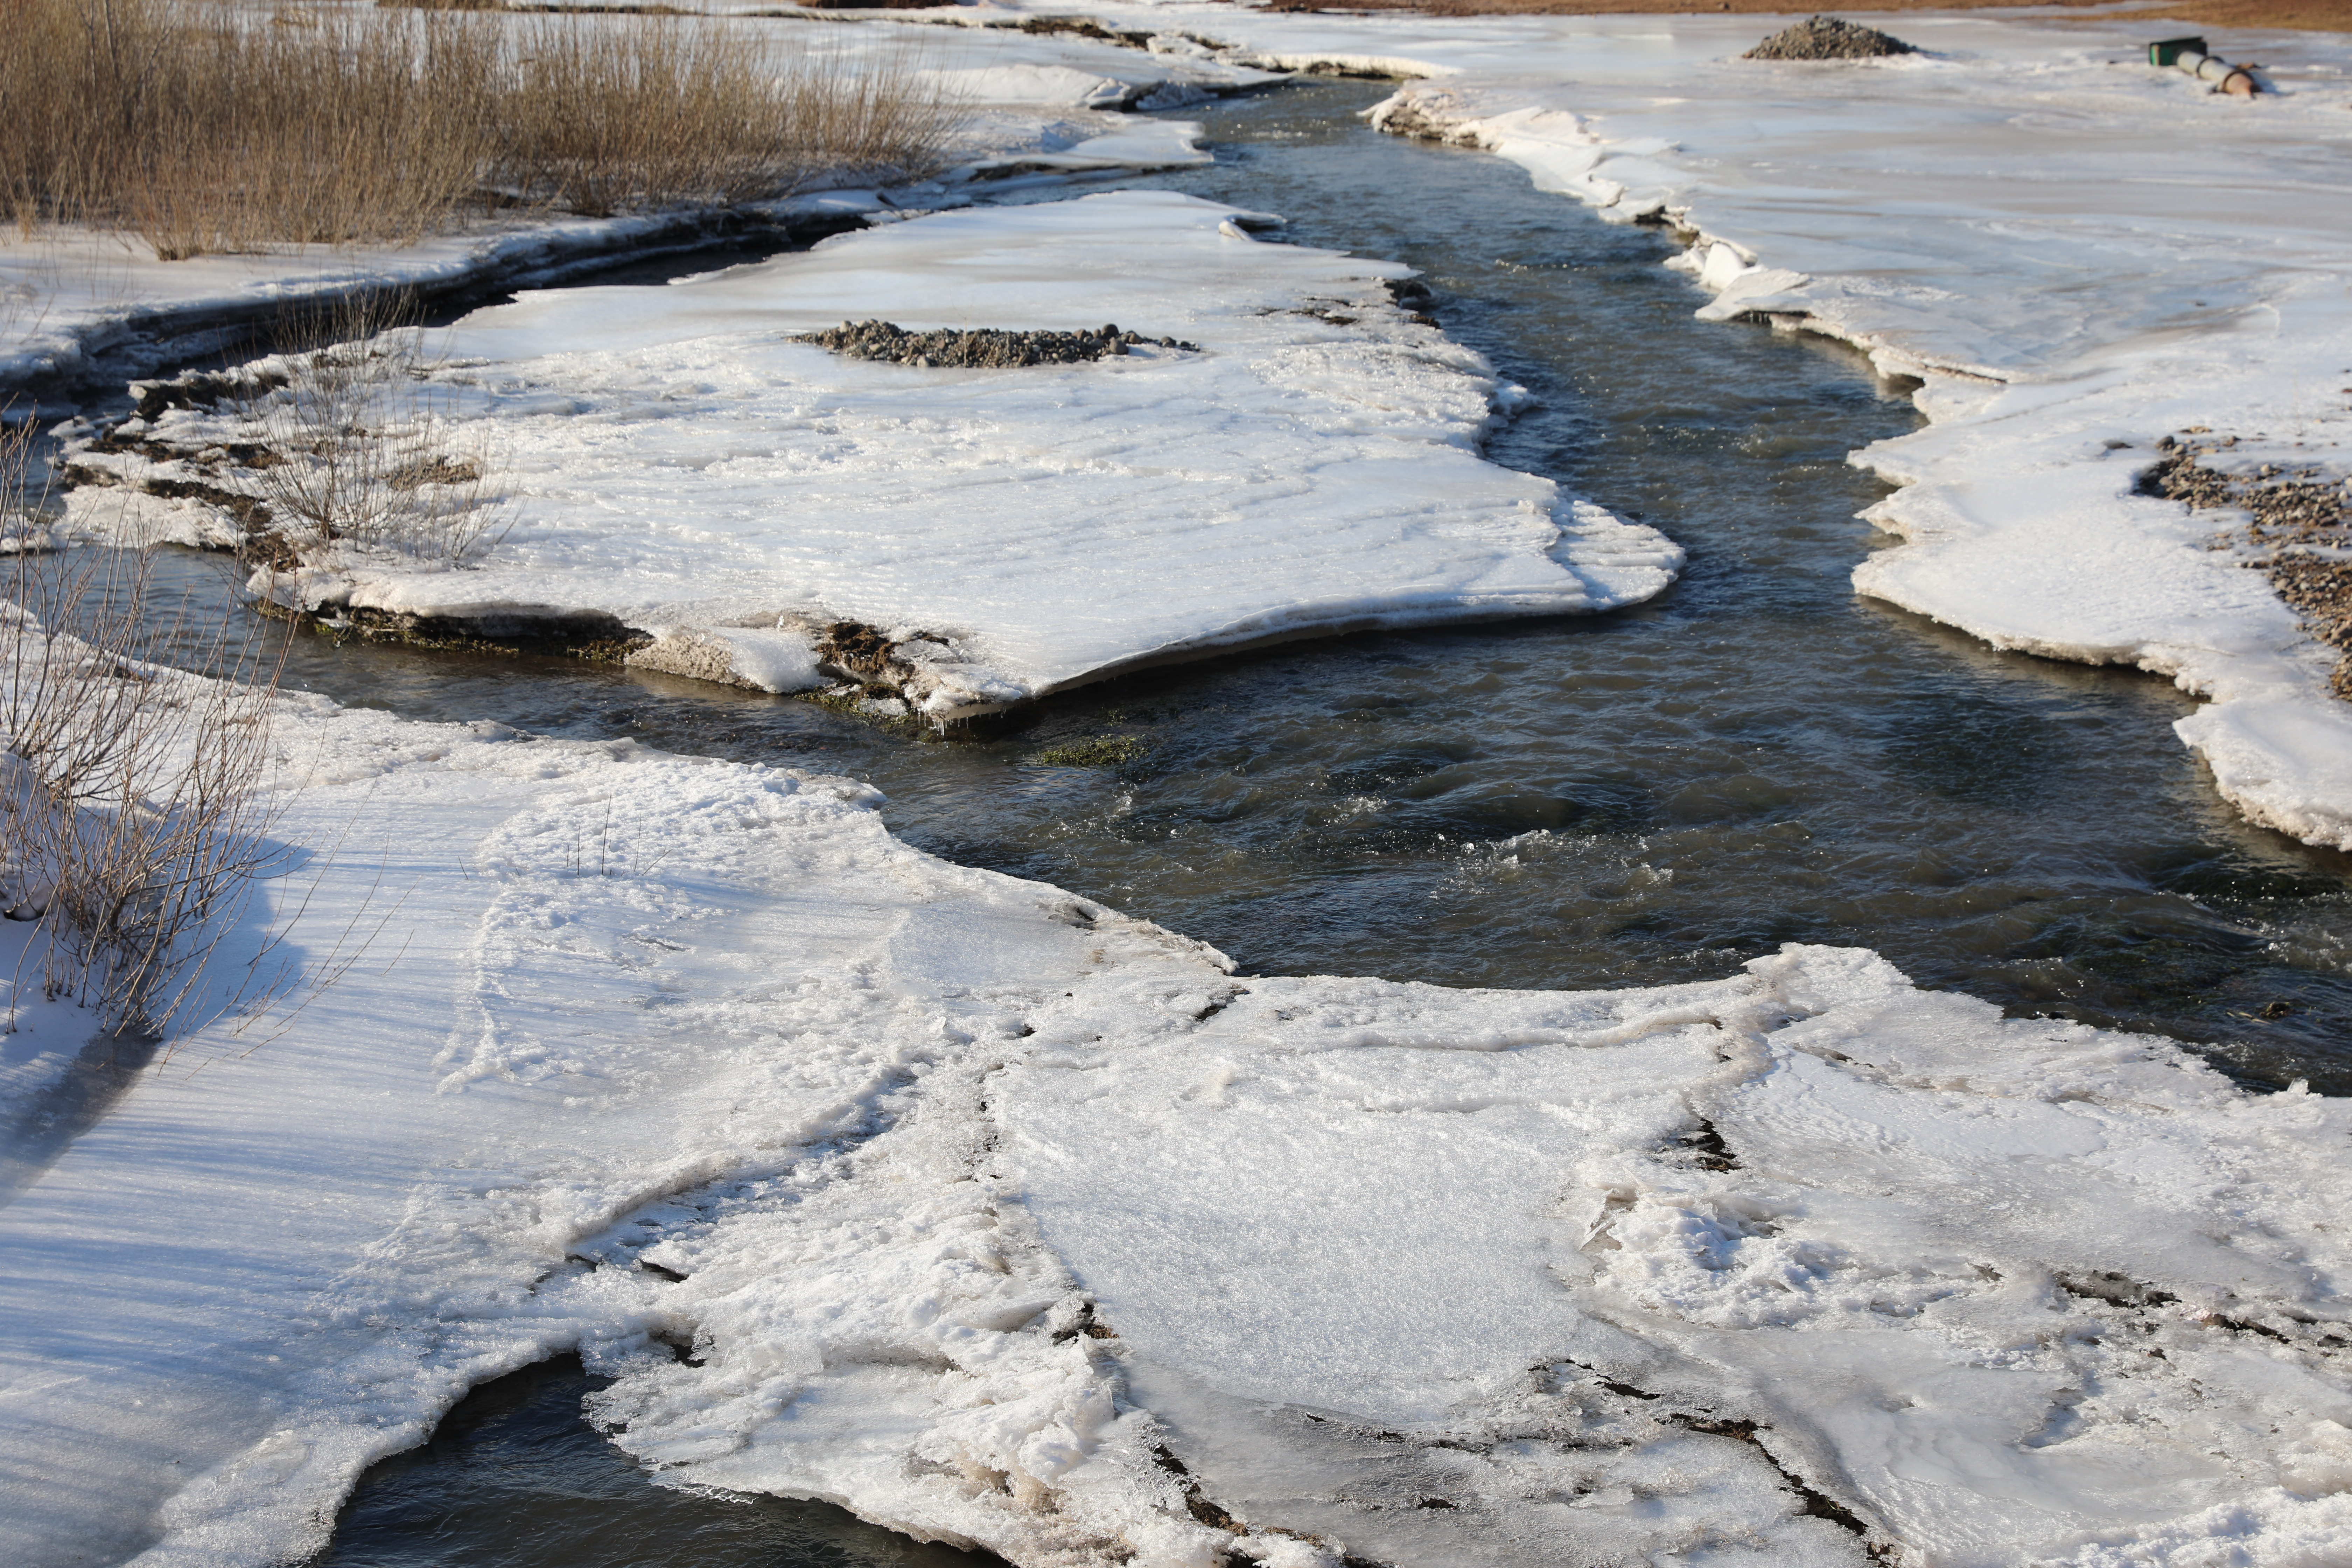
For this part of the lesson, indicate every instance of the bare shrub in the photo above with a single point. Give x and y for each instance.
(365, 449)
(133, 826)
(203, 127)
(24, 512)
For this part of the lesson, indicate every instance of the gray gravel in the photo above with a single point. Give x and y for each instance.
(986, 348)
(1827, 38)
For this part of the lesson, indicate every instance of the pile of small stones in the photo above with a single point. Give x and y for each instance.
(1827, 38)
(2295, 514)
(985, 349)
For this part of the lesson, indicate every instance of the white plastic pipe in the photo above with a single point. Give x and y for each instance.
(2235, 79)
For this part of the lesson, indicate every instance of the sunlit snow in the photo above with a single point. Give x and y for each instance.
(963, 1200)
(675, 460)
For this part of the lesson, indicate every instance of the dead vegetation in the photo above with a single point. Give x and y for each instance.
(356, 443)
(2330, 16)
(200, 127)
(132, 822)
(2300, 530)
(349, 443)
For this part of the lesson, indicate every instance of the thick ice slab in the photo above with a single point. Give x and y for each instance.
(999, 1217)
(678, 463)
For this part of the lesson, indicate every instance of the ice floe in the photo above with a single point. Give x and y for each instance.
(999, 1217)
(674, 461)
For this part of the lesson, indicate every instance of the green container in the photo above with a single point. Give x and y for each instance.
(2170, 51)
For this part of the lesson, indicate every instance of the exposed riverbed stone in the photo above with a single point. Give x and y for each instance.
(2302, 526)
(985, 347)
(1828, 39)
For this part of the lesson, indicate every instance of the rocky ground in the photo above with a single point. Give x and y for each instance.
(984, 349)
(2298, 532)
(1827, 38)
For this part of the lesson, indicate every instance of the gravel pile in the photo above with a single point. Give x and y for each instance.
(985, 349)
(2301, 521)
(1827, 38)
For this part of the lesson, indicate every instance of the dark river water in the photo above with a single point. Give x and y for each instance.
(1757, 756)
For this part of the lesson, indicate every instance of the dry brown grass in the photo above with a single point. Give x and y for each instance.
(2328, 15)
(201, 128)
(602, 118)
(2314, 15)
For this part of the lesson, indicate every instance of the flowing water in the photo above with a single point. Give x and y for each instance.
(1758, 756)
(515, 1478)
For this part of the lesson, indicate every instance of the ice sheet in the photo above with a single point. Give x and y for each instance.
(674, 459)
(1001, 1218)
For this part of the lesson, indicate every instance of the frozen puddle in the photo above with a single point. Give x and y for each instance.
(676, 464)
(1000, 1218)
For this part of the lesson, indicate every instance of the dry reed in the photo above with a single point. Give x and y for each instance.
(201, 128)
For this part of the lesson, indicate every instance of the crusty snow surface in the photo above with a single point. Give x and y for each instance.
(670, 457)
(980, 1209)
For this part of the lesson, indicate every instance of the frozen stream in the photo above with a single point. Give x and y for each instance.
(1757, 756)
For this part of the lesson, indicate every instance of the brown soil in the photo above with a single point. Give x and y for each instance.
(856, 648)
(2300, 519)
(2324, 16)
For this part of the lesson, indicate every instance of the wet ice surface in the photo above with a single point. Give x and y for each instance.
(1758, 756)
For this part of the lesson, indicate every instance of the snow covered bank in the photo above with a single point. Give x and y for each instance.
(2074, 253)
(999, 1217)
(80, 309)
(2040, 235)
(2077, 257)
(678, 463)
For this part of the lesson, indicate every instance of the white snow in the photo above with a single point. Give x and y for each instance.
(983, 1197)
(674, 459)
(76, 304)
(993, 1207)
(2070, 248)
